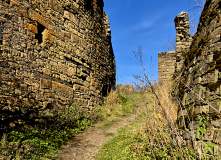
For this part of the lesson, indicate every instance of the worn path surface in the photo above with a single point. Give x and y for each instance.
(87, 144)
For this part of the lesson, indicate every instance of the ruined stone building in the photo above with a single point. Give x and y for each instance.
(54, 52)
(171, 61)
(199, 78)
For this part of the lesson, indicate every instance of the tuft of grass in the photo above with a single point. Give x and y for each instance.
(158, 139)
(108, 124)
(118, 104)
(118, 147)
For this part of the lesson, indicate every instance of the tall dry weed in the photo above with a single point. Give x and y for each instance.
(163, 91)
(161, 138)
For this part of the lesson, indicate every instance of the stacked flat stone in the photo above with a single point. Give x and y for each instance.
(183, 36)
(53, 53)
(166, 65)
(172, 61)
(198, 60)
(200, 87)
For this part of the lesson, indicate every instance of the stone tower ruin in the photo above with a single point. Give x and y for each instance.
(183, 36)
(171, 61)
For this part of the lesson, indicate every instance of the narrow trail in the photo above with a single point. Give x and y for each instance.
(87, 144)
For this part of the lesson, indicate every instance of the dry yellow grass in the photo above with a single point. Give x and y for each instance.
(167, 103)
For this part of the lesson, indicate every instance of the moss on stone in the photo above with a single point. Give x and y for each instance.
(195, 51)
(195, 36)
(190, 55)
(217, 59)
(208, 17)
(203, 41)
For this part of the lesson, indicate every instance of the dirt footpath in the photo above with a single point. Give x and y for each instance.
(87, 144)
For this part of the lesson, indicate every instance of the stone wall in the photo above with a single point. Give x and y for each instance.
(172, 61)
(53, 53)
(183, 36)
(200, 85)
(198, 74)
(166, 65)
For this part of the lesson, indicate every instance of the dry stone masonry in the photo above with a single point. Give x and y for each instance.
(53, 53)
(200, 84)
(166, 65)
(183, 36)
(170, 62)
(197, 68)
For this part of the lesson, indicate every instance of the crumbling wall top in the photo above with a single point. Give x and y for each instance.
(183, 36)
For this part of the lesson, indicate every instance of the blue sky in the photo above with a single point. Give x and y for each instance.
(146, 24)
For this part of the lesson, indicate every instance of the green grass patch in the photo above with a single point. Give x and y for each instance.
(120, 106)
(118, 147)
(46, 136)
(108, 124)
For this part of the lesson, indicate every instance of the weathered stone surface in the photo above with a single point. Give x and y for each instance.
(200, 74)
(203, 59)
(172, 61)
(183, 36)
(198, 69)
(166, 65)
(53, 50)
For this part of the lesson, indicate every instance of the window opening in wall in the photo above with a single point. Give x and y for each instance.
(84, 78)
(1, 32)
(104, 90)
(39, 35)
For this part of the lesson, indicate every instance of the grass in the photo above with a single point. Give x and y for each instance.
(118, 147)
(149, 136)
(155, 135)
(108, 124)
(119, 105)
(44, 138)
(160, 137)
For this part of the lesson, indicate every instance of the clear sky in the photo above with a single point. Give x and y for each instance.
(148, 24)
